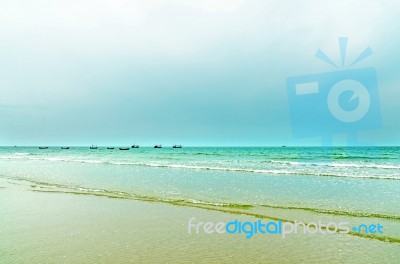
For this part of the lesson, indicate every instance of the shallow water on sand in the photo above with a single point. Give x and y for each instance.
(357, 179)
(62, 228)
(358, 185)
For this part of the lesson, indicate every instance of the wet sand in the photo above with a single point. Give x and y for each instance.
(41, 227)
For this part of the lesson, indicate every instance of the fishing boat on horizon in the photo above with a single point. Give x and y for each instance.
(135, 146)
(123, 148)
(93, 147)
(43, 147)
(177, 146)
(157, 146)
(110, 147)
(64, 147)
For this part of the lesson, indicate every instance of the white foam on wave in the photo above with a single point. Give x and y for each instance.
(297, 168)
(88, 161)
(56, 159)
(21, 153)
(11, 157)
(120, 163)
(358, 165)
(288, 162)
(335, 164)
(272, 171)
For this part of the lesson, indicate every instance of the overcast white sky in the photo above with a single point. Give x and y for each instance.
(191, 72)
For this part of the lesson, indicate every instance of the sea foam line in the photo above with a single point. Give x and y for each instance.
(335, 164)
(279, 171)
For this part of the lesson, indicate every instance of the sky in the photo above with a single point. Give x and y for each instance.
(197, 73)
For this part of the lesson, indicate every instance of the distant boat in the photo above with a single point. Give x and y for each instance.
(43, 147)
(135, 146)
(64, 147)
(110, 148)
(123, 148)
(177, 146)
(93, 147)
(157, 146)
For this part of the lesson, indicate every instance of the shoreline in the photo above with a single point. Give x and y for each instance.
(261, 211)
(61, 227)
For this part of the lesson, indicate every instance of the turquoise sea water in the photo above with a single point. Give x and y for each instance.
(57, 200)
(352, 179)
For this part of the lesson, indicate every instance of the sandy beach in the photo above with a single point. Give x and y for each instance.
(39, 227)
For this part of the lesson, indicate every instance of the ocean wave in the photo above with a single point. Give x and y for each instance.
(334, 164)
(378, 166)
(335, 212)
(272, 171)
(249, 170)
(21, 153)
(126, 194)
(362, 157)
(297, 168)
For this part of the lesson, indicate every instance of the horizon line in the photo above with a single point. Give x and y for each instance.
(194, 146)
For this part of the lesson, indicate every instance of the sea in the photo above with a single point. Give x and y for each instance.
(330, 181)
